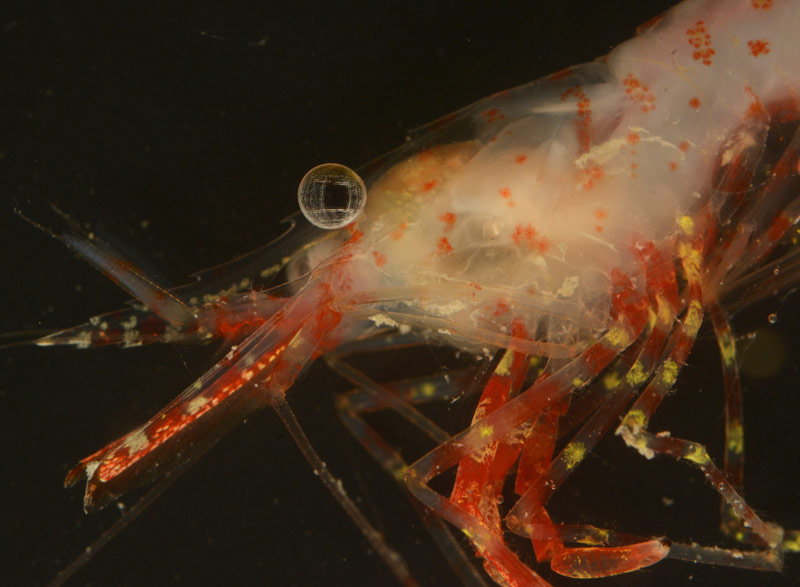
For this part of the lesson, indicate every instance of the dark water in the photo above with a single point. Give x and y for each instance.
(182, 133)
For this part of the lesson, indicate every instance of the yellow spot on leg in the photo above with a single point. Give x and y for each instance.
(669, 372)
(504, 368)
(728, 350)
(636, 376)
(611, 380)
(736, 438)
(694, 317)
(697, 454)
(573, 454)
(791, 543)
(687, 225)
(635, 421)
(617, 337)
(427, 389)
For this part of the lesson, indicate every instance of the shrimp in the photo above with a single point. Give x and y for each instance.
(565, 312)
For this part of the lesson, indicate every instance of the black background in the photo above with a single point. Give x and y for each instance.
(180, 133)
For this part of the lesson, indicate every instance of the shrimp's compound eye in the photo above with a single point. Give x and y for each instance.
(331, 196)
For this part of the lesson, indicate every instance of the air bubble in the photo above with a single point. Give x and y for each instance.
(331, 196)
(772, 318)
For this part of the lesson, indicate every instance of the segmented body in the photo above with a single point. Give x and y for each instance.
(599, 185)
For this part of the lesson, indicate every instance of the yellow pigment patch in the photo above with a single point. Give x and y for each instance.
(694, 317)
(399, 472)
(577, 382)
(617, 337)
(504, 368)
(728, 350)
(736, 438)
(665, 315)
(486, 431)
(573, 454)
(611, 380)
(687, 225)
(669, 373)
(651, 318)
(791, 542)
(698, 454)
(636, 376)
(574, 574)
(427, 389)
(596, 537)
(635, 420)
(691, 264)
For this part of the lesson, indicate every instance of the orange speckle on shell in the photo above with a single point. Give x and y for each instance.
(524, 233)
(443, 246)
(501, 308)
(399, 232)
(355, 236)
(758, 47)
(700, 39)
(449, 219)
(505, 193)
(380, 258)
(429, 185)
(543, 245)
(492, 115)
(592, 175)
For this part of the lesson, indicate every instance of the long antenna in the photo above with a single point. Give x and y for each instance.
(128, 516)
(376, 540)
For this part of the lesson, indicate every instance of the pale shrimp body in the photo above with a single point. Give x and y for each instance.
(575, 218)
(562, 177)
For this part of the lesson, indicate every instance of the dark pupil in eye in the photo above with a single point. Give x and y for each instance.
(336, 196)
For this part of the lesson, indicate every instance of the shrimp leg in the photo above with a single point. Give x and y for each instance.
(504, 565)
(539, 477)
(633, 430)
(352, 405)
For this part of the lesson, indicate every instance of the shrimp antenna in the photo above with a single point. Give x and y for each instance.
(25, 337)
(122, 272)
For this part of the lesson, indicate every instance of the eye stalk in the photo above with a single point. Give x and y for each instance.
(331, 196)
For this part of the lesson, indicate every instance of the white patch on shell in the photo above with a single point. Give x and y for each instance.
(196, 404)
(83, 340)
(568, 287)
(130, 323)
(383, 320)
(136, 441)
(446, 309)
(131, 338)
(91, 467)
